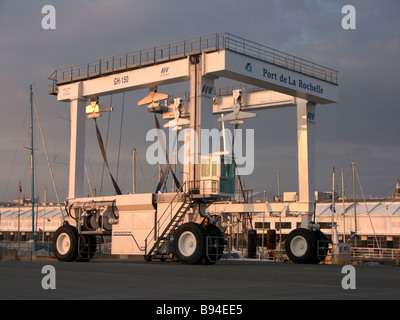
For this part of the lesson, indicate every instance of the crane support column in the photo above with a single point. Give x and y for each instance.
(77, 143)
(306, 158)
(201, 113)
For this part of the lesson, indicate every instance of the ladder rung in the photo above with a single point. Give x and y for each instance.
(175, 222)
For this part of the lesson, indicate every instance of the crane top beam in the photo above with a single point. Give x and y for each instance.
(258, 72)
(225, 55)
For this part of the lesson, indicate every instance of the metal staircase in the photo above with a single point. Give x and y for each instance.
(159, 241)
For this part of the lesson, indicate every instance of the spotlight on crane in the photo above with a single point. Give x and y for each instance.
(94, 108)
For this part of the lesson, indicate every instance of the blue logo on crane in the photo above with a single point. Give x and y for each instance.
(207, 91)
(164, 70)
(310, 117)
(248, 67)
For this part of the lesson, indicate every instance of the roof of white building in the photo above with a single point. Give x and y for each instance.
(374, 208)
(26, 212)
(390, 207)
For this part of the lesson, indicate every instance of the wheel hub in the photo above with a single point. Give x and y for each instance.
(63, 243)
(187, 243)
(298, 246)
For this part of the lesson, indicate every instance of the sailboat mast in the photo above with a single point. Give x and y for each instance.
(335, 237)
(19, 209)
(32, 164)
(355, 202)
(343, 213)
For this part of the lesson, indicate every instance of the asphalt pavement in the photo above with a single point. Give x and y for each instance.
(224, 281)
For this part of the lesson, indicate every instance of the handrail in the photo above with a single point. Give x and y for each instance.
(182, 49)
(204, 187)
(280, 58)
(136, 59)
(375, 253)
(156, 228)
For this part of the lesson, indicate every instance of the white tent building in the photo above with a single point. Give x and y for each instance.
(371, 221)
(46, 221)
(376, 221)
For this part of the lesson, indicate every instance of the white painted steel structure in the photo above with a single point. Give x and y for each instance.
(287, 80)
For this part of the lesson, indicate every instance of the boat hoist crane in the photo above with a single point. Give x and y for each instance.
(184, 224)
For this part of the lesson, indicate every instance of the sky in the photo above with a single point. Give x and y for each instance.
(363, 126)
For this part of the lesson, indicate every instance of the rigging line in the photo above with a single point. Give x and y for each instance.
(368, 213)
(127, 170)
(144, 180)
(90, 169)
(88, 180)
(15, 153)
(47, 156)
(174, 161)
(108, 127)
(25, 174)
(386, 192)
(168, 168)
(234, 162)
(101, 145)
(120, 132)
(175, 179)
(346, 182)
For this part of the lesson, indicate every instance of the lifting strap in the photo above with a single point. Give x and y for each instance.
(234, 161)
(100, 140)
(165, 173)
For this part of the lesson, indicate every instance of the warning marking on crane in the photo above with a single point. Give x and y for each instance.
(128, 234)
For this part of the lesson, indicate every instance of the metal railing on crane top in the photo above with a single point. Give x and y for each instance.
(182, 49)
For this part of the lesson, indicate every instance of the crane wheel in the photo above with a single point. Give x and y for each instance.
(190, 243)
(301, 246)
(65, 243)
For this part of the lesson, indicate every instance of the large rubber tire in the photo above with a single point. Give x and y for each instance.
(301, 246)
(190, 243)
(65, 243)
(215, 244)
